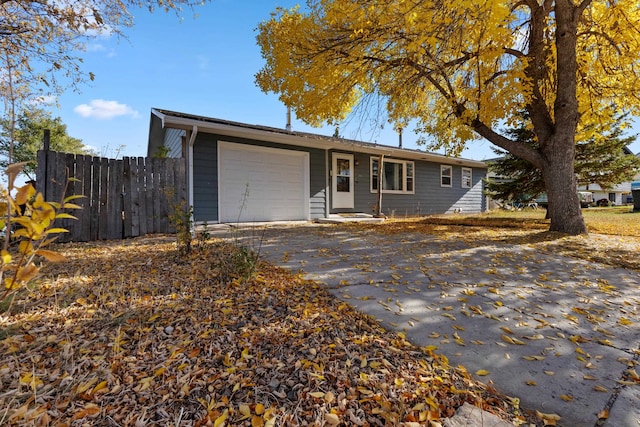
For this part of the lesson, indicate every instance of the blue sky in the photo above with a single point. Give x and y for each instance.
(201, 66)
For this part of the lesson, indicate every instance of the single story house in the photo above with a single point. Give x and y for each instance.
(617, 195)
(238, 172)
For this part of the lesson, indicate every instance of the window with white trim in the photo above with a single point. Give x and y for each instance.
(397, 176)
(446, 175)
(467, 177)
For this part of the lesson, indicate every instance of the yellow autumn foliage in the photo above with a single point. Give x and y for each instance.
(448, 65)
(28, 220)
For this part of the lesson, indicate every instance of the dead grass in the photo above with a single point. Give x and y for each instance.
(613, 239)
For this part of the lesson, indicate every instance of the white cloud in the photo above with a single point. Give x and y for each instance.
(42, 100)
(95, 47)
(105, 110)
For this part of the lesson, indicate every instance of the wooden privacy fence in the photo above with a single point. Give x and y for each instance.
(123, 198)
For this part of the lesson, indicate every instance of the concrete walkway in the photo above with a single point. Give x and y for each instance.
(559, 333)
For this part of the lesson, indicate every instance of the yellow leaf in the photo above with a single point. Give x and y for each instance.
(64, 215)
(221, 419)
(257, 421)
(57, 230)
(482, 372)
(531, 383)
(531, 358)
(6, 257)
(146, 383)
(245, 410)
(329, 397)
(317, 394)
(259, 409)
(100, 386)
(332, 419)
(549, 419)
(566, 397)
(624, 321)
(84, 387)
(72, 206)
(507, 339)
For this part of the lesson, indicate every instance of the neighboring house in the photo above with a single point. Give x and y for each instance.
(618, 195)
(238, 172)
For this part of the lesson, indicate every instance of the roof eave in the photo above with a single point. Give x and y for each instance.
(307, 140)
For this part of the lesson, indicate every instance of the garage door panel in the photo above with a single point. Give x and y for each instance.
(262, 184)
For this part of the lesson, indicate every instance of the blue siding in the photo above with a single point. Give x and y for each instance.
(429, 197)
(317, 182)
(205, 178)
(205, 175)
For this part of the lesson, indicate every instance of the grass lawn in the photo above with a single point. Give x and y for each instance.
(617, 220)
(614, 237)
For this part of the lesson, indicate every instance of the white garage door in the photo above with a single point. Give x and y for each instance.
(262, 184)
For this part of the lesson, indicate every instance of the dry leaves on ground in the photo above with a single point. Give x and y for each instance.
(617, 250)
(126, 334)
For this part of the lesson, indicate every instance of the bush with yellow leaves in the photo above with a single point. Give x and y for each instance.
(28, 226)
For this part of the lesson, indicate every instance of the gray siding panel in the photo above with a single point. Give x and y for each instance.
(317, 182)
(205, 172)
(429, 197)
(205, 178)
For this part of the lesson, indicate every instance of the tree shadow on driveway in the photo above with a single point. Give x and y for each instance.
(557, 332)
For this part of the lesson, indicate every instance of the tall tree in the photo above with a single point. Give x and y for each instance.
(28, 138)
(464, 68)
(603, 160)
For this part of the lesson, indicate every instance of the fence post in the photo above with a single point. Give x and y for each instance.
(41, 162)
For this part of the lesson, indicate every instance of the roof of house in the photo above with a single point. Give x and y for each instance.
(163, 119)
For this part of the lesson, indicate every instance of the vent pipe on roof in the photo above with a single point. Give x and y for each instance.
(399, 137)
(289, 119)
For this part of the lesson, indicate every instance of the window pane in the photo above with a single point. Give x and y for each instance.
(374, 174)
(445, 176)
(343, 167)
(409, 177)
(466, 177)
(392, 176)
(342, 184)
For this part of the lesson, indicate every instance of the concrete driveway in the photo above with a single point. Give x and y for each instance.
(559, 333)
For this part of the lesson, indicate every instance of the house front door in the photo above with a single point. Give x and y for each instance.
(342, 181)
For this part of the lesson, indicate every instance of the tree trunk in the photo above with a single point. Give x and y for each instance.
(562, 193)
